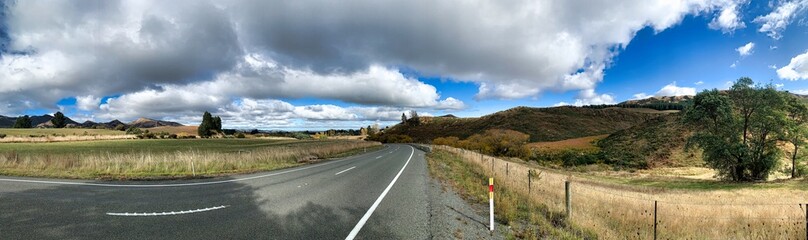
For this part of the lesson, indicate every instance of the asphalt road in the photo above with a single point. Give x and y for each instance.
(330, 200)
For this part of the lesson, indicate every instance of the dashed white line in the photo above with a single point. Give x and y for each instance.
(155, 214)
(365, 218)
(378, 157)
(345, 170)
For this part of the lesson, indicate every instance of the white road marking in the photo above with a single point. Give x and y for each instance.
(378, 157)
(345, 170)
(154, 214)
(365, 218)
(171, 185)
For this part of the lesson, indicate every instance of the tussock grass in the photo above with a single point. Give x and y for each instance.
(145, 159)
(528, 219)
(42, 135)
(616, 211)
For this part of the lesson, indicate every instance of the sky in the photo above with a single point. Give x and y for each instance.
(315, 65)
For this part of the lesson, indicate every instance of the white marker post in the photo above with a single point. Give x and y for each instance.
(491, 201)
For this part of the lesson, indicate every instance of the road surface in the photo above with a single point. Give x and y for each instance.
(336, 199)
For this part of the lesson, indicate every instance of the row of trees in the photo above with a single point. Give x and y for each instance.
(210, 125)
(739, 129)
(59, 121)
(413, 120)
(23, 122)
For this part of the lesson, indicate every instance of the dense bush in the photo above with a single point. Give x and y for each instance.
(240, 135)
(390, 138)
(569, 157)
(2, 135)
(134, 130)
(498, 142)
(23, 122)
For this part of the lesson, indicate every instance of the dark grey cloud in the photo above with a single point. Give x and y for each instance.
(171, 57)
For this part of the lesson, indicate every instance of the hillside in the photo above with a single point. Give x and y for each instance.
(658, 100)
(150, 123)
(542, 124)
(657, 142)
(44, 121)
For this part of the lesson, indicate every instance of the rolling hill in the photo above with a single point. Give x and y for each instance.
(542, 124)
(150, 123)
(657, 142)
(44, 120)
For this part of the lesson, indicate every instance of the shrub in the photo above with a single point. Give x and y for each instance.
(120, 127)
(240, 135)
(2, 135)
(172, 136)
(134, 130)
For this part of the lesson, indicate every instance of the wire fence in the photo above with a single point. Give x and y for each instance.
(618, 212)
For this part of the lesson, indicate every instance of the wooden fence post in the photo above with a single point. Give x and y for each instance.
(569, 203)
(655, 219)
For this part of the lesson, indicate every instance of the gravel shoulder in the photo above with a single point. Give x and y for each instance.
(451, 217)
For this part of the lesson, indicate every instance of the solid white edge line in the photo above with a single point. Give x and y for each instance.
(345, 170)
(127, 214)
(172, 185)
(365, 218)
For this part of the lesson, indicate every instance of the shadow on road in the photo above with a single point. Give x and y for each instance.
(79, 212)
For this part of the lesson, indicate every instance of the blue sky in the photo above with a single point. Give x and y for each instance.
(345, 69)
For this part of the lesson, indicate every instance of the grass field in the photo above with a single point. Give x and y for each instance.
(183, 130)
(165, 158)
(619, 208)
(25, 132)
(46, 135)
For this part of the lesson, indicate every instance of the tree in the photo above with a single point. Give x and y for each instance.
(738, 131)
(206, 126)
(59, 120)
(414, 117)
(23, 122)
(403, 118)
(795, 132)
(217, 123)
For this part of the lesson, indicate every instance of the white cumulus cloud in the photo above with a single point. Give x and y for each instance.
(728, 20)
(673, 90)
(797, 69)
(746, 49)
(87, 103)
(774, 23)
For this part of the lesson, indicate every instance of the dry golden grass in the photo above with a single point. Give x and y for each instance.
(143, 163)
(66, 138)
(183, 130)
(583, 143)
(617, 211)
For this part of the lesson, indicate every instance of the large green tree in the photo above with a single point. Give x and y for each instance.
(795, 132)
(206, 126)
(738, 130)
(23, 122)
(210, 125)
(59, 120)
(217, 123)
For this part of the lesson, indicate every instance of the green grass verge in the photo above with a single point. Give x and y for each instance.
(527, 219)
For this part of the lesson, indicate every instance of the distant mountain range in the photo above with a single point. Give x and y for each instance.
(44, 122)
